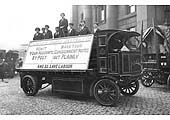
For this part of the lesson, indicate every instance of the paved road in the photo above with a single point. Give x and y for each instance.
(154, 100)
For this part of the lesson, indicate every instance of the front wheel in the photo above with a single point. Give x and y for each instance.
(147, 80)
(30, 85)
(130, 89)
(106, 92)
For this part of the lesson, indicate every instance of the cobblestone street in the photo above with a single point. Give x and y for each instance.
(153, 100)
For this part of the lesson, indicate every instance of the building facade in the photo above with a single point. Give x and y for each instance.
(128, 17)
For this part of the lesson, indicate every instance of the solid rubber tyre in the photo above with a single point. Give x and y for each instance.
(106, 92)
(30, 85)
(147, 79)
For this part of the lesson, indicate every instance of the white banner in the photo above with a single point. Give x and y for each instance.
(69, 53)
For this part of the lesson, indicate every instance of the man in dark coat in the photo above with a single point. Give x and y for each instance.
(56, 34)
(43, 32)
(84, 29)
(37, 35)
(63, 24)
(3, 67)
(48, 32)
(72, 31)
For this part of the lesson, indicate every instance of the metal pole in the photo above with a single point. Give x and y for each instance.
(156, 43)
(141, 43)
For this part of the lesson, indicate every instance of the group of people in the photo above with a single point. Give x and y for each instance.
(63, 31)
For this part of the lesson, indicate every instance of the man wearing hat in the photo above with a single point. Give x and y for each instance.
(43, 32)
(48, 32)
(37, 35)
(63, 24)
(3, 67)
(84, 29)
(72, 31)
(56, 34)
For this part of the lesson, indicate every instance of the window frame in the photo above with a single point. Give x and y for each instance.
(98, 14)
(130, 9)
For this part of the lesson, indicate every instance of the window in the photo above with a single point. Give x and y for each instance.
(131, 9)
(96, 14)
(100, 13)
(132, 43)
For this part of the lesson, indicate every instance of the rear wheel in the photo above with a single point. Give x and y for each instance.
(147, 79)
(130, 89)
(106, 92)
(30, 85)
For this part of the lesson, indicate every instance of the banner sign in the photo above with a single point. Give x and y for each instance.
(69, 53)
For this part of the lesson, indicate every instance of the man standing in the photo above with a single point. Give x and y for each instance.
(37, 35)
(3, 66)
(71, 31)
(48, 32)
(95, 28)
(63, 24)
(84, 29)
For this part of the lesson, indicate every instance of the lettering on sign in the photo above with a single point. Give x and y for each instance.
(70, 53)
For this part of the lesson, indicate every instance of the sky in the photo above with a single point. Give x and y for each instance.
(18, 18)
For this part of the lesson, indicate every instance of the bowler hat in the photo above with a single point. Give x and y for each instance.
(47, 26)
(62, 14)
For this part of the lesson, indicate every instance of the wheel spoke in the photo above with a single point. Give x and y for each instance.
(111, 97)
(103, 96)
(128, 90)
(101, 86)
(131, 89)
(104, 85)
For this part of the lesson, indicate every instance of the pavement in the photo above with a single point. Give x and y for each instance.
(148, 101)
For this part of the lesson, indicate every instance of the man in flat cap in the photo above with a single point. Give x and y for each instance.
(84, 29)
(56, 34)
(48, 32)
(63, 24)
(37, 35)
(72, 31)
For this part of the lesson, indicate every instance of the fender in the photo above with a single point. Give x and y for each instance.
(114, 79)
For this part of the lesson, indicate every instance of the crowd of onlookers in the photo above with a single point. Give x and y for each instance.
(62, 30)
